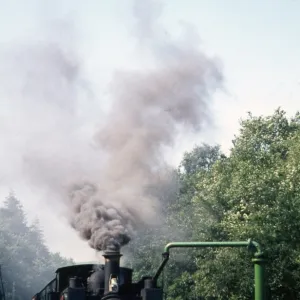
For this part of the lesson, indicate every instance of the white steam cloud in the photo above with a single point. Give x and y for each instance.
(105, 188)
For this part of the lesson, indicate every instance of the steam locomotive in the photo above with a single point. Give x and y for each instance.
(99, 282)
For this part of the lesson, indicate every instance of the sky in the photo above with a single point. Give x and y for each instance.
(257, 43)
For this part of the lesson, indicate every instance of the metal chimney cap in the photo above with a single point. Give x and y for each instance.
(111, 253)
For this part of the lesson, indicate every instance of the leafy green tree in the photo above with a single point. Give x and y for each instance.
(183, 263)
(254, 193)
(201, 158)
(143, 254)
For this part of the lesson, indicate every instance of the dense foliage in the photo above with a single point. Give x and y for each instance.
(26, 263)
(253, 192)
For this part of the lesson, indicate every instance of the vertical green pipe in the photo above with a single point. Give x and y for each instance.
(259, 277)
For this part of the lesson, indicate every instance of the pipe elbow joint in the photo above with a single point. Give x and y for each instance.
(256, 248)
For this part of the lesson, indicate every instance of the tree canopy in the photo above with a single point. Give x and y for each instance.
(252, 192)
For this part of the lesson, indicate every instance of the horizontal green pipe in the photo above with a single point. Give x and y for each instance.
(248, 243)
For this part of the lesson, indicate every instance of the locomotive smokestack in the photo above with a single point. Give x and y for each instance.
(112, 271)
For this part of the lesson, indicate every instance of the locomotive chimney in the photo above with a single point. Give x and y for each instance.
(112, 271)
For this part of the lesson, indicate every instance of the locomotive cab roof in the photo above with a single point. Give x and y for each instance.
(89, 265)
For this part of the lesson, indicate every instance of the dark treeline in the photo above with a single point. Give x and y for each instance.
(26, 263)
(252, 192)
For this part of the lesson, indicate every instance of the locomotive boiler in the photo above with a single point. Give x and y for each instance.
(105, 282)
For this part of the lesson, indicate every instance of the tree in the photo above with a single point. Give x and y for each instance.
(200, 158)
(14, 233)
(194, 166)
(254, 193)
(27, 264)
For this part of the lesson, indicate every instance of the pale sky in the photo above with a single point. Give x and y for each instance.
(257, 42)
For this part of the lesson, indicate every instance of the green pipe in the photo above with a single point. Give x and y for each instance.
(259, 278)
(257, 247)
(252, 245)
(205, 244)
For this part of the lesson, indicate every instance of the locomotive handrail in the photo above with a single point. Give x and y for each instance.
(258, 260)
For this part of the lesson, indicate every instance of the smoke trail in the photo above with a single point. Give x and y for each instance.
(107, 191)
(147, 109)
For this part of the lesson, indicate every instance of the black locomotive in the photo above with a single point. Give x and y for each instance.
(99, 282)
